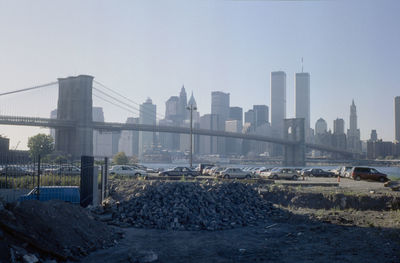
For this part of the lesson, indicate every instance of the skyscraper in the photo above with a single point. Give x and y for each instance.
(220, 108)
(278, 102)
(260, 115)
(321, 126)
(129, 140)
(172, 108)
(353, 134)
(250, 117)
(338, 126)
(102, 141)
(339, 137)
(302, 99)
(147, 115)
(397, 118)
(183, 104)
(236, 113)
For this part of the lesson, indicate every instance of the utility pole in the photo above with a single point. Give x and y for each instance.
(191, 108)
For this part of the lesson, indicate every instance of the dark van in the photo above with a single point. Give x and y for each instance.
(367, 173)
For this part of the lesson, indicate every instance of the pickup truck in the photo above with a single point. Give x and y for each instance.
(69, 194)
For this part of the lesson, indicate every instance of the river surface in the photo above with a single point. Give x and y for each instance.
(393, 172)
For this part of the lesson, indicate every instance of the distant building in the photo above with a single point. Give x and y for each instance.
(53, 115)
(260, 115)
(321, 126)
(302, 100)
(397, 118)
(220, 107)
(147, 115)
(208, 144)
(233, 146)
(129, 140)
(339, 139)
(183, 104)
(278, 102)
(374, 136)
(380, 149)
(236, 113)
(102, 141)
(172, 108)
(353, 134)
(338, 126)
(250, 117)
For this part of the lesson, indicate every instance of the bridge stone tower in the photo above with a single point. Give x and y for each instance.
(294, 155)
(75, 104)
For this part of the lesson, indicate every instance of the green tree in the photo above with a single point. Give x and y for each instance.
(120, 158)
(40, 144)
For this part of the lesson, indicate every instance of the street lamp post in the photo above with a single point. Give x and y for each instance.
(191, 108)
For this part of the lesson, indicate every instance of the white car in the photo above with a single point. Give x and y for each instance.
(234, 173)
(127, 170)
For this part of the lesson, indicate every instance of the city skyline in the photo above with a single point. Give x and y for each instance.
(151, 49)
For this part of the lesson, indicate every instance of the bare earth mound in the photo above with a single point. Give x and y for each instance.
(55, 229)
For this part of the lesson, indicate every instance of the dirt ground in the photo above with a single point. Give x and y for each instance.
(293, 234)
(298, 236)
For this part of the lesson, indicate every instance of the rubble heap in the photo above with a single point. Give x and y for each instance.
(185, 205)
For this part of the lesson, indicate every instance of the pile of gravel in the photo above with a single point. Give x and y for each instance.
(185, 205)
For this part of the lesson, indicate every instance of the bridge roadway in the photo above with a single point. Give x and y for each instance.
(113, 126)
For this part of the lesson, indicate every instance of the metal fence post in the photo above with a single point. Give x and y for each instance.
(105, 177)
(38, 181)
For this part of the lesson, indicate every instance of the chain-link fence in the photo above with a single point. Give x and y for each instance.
(18, 177)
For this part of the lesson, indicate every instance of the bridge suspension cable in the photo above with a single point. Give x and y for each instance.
(121, 104)
(161, 116)
(31, 88)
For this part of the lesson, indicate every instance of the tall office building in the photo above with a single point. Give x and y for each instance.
(374, 136)
(129, 140)
(208, 144)
(302, 100)
(236, 113)
(220, 107)
(278, 102)
(250, 117)
(102, 141)
(183, 104)
(172, 108)
(353, 134)
(220, 104)
(397, 118)
(338, 126)
(53, 115)
(339, 139)
(321, 126)
(260, 115)
(147, 115)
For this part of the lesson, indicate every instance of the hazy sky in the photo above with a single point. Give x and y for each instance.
(151, 48)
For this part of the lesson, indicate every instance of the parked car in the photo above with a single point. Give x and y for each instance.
(203, 166)
(206, 170)
(317, 173)
(15, 171)
(234, 173)
(127, 170)
(281, 173)
(367, 173)
(65, 193)
(345, 171)
(179, 171)
(217, 171)
(64, 170)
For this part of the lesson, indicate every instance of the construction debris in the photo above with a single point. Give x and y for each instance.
(184, 205)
